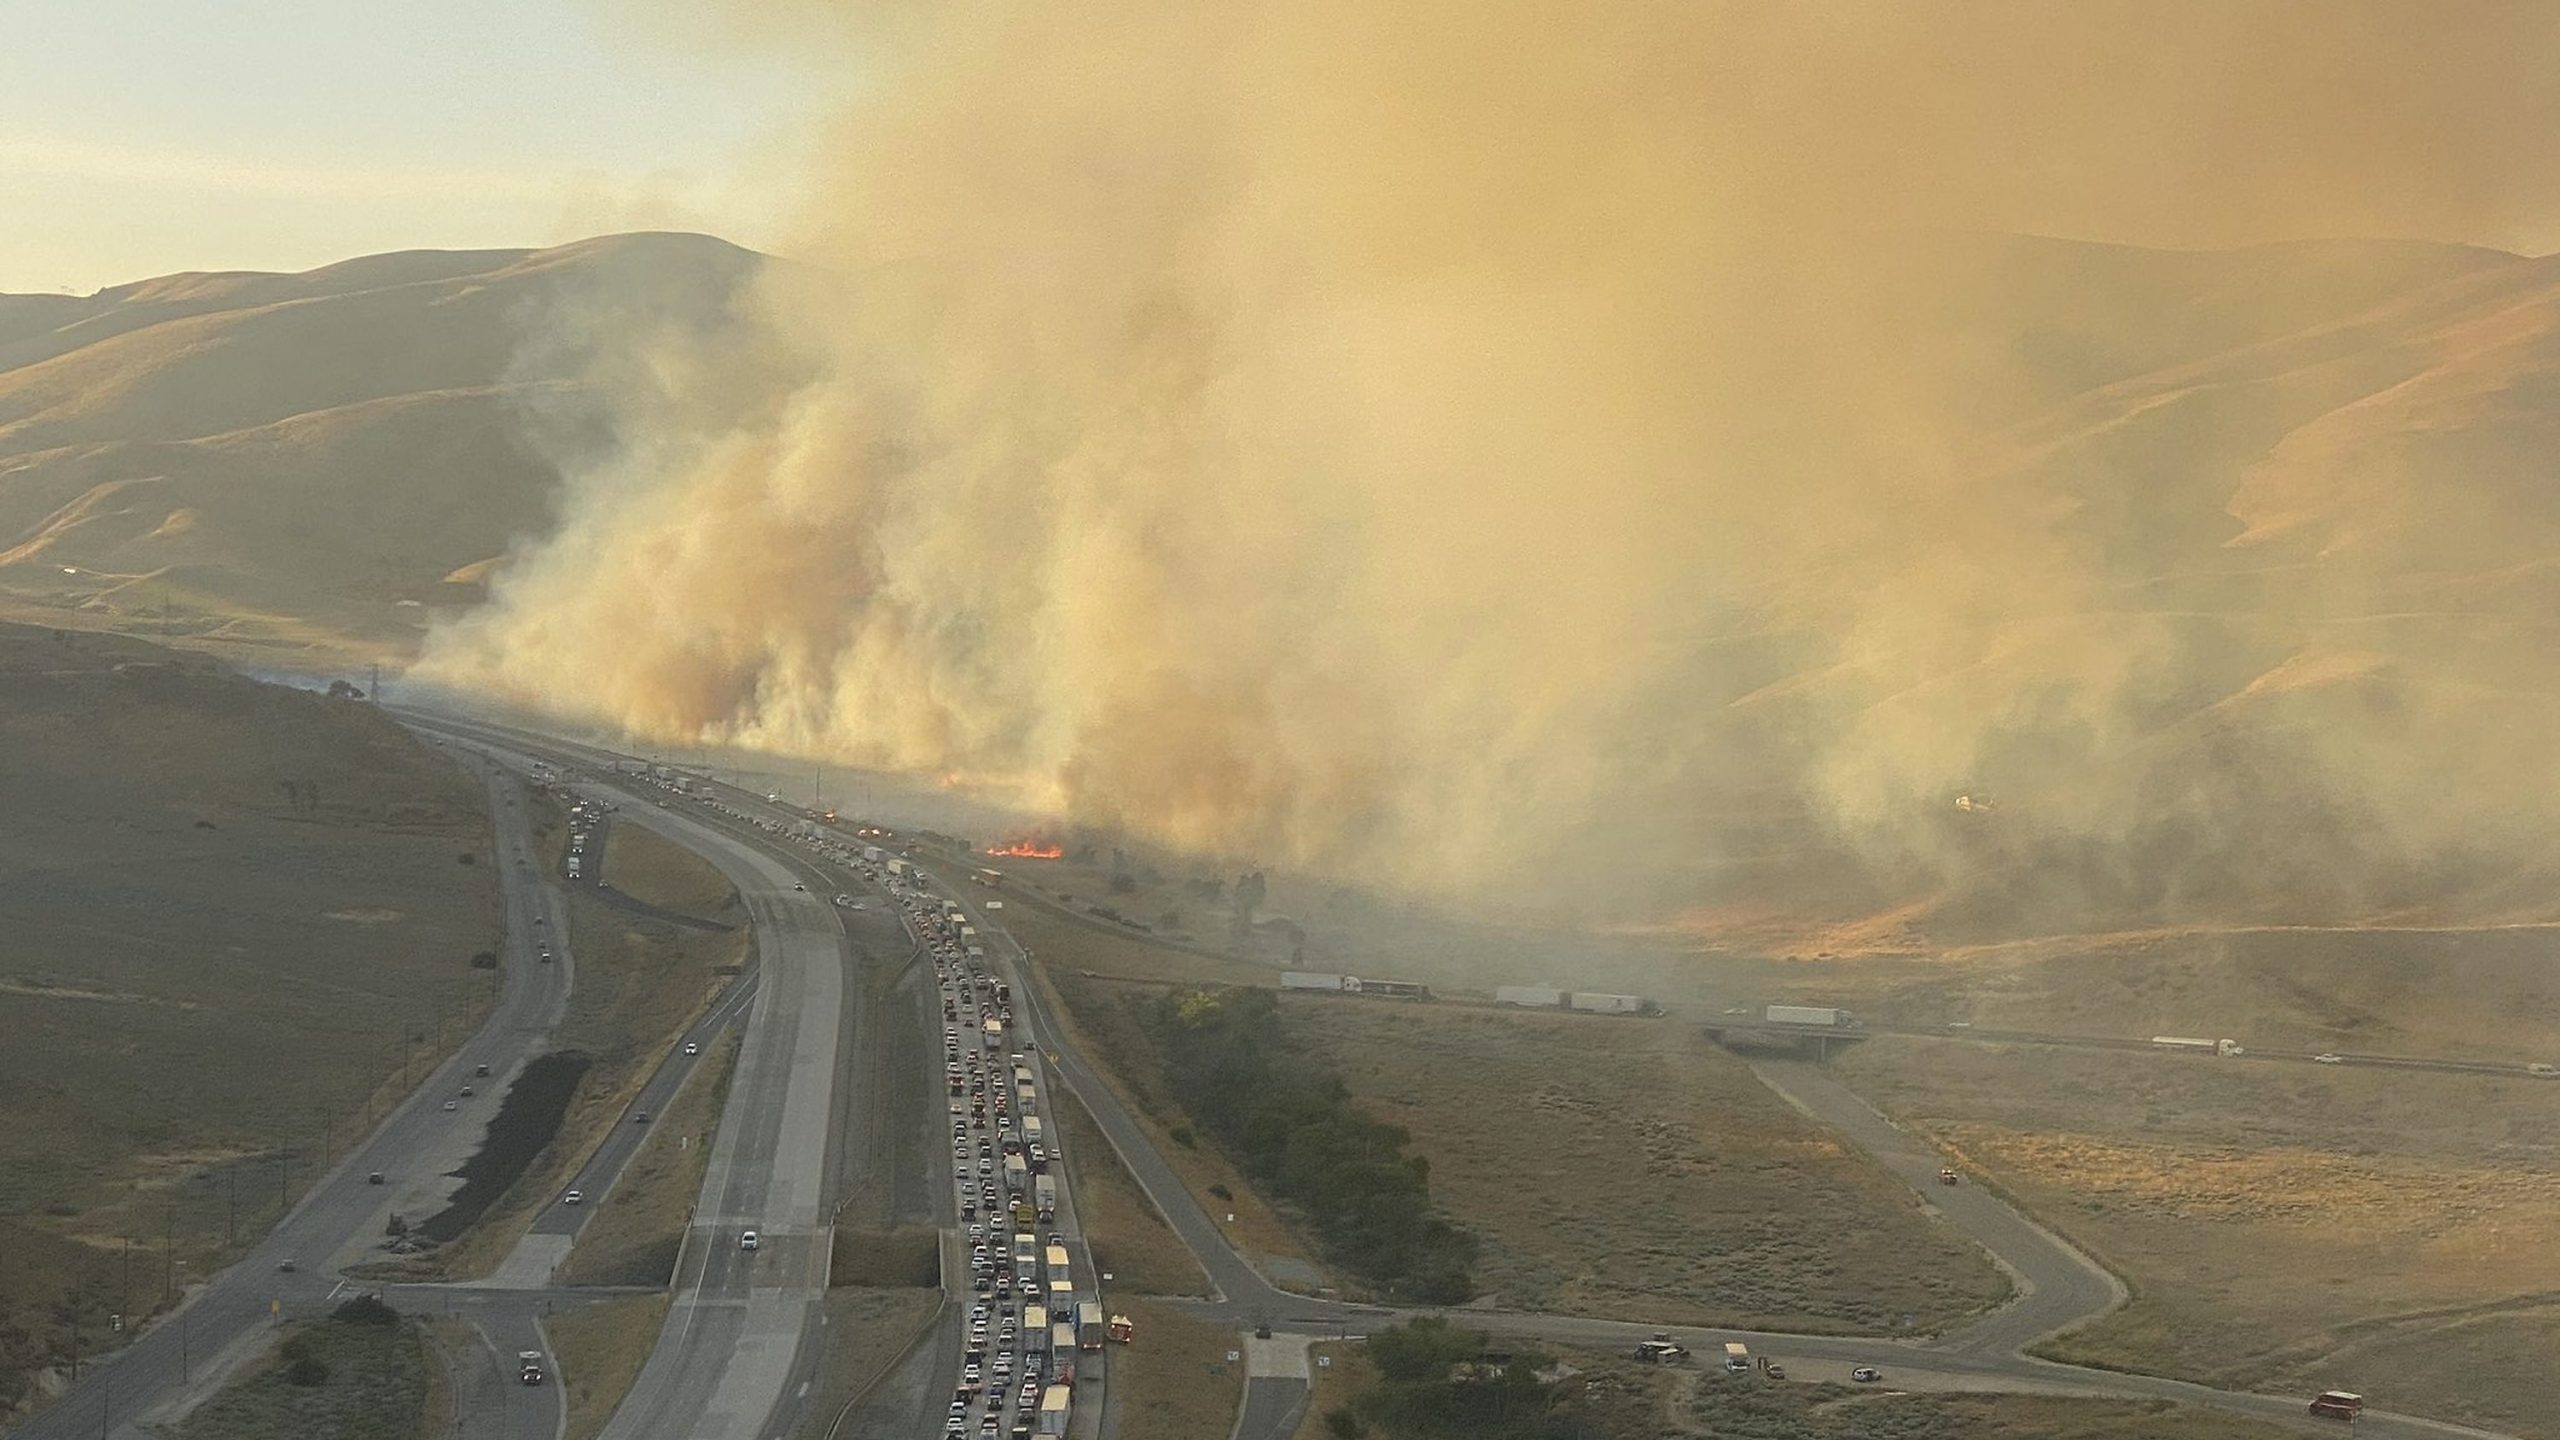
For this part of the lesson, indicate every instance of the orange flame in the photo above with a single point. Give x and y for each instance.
(1027, 850)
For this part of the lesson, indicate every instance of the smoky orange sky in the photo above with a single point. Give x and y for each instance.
(1487, 445)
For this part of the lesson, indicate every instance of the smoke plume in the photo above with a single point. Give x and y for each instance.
(1592, 447)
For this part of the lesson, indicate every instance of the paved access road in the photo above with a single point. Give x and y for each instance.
(595, 1179)
(2058, 1286)
(178, 1360)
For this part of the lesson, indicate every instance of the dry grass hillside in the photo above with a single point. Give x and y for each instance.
(2278, 653)
(228, 912)
(288, 464)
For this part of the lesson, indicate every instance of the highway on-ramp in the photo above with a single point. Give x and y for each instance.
(2058, 1286)
(179, 1360)
(737, 1345)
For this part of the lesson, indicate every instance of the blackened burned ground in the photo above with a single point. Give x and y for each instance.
(526, 1122)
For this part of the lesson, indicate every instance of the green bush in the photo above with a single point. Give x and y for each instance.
(1292, 1127)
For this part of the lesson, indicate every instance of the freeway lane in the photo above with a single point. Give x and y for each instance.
(736, 1339)
(177, 1361)
(1971, 1358)
(595, 1179)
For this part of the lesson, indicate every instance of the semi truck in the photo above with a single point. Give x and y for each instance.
(529, 1367)
(1598, 1004)
(1044, 1192)
(1056, 1260)
(1828, 1016)
(1089, 1325)
(1035, 1328)
(1016, 1174)
(1055, 1403)
(1532, 997)
(2197, 1045)
(1026, 1253)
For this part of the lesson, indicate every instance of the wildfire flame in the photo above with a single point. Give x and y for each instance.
(1027, 850)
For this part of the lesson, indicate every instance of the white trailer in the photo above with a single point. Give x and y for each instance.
(1055, 1402)
(2197, 1044)
(1532, 997)
(1599, 1004)
(1314, 980)
(1824, 1015)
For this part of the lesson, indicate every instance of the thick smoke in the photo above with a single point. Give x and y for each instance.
(1584, 446)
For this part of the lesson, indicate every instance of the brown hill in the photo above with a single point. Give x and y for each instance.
(301, 463)
(226, 909)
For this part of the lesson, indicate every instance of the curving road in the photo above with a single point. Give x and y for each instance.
(2058, 1287)
(182, 1359)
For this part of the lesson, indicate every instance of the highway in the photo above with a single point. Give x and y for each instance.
(2509, 1069)
(737, 1335)
(596, 1178)
(181, 1359)
(2058, 1287)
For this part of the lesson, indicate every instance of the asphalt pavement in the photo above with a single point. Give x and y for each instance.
(2059, 1287)
(737, 1343)
(178, 1361)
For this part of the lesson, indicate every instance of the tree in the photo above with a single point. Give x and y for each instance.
(1423, 1349)
(1250, 889)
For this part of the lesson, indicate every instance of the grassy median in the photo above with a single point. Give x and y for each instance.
(598, 1350)
(1175, 1382)
(868, 1329)
(639, 1225)
(641, 983)
(1130, 1241)
(655, 870)
(370, 1378)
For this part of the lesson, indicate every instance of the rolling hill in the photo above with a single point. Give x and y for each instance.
(2242, 613)
(298, 468)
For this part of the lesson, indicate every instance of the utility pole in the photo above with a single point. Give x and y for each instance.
(168, 1252)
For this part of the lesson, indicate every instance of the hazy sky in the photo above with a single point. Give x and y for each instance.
(139, 137)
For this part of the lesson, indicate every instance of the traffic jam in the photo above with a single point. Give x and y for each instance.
(1029, 1318)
